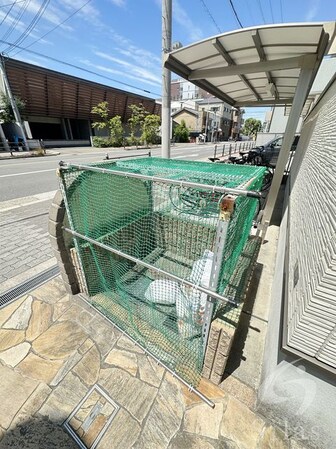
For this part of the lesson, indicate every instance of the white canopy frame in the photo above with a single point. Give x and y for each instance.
(263, 66)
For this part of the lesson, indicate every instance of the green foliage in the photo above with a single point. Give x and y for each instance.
(7, 114)
(136, 121)
(101, 142)
(102, 110)
(116, 131)
(251, 127)
(181, 132)
(150, 128)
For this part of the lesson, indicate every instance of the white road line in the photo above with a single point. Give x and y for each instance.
(26, 200)
(27, 173)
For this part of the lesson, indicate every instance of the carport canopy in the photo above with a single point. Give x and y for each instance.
(257, 66)
(260, 66)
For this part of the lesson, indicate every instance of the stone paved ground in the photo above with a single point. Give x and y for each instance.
(24, 238)
(54, 348)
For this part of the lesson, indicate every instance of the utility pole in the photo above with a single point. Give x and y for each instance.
(166, 78)
(13, 102)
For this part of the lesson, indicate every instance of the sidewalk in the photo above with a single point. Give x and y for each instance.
(55, 349)
(5, 155)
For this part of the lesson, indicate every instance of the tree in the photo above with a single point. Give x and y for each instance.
(251, 127)
(113, 125)
(116, 130)
(150, 128)
(102, 110)
(6, 110)
(181, 132)
(136, 121)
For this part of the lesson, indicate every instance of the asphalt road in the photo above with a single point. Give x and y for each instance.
(24, 177)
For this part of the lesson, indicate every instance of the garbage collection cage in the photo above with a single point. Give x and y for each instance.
(157, 239)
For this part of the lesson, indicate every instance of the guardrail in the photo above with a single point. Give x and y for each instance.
(227, 149)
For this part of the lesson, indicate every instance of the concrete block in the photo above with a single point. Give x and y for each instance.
(55, 228)
(73, 289)
(58, 199)
(216, 378)
(219, 364)
(70, 278)
(56, 213)
(209, 357)
(57, 243)
(206, 372)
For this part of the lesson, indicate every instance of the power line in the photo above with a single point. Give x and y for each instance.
(12, 4)
(55, 27)
(79, 68)
(281, 12)
(4, 18)
(261, 10)
(235, 13)
(31, 26)
(16, 20)
(210, 15)
(270, 3)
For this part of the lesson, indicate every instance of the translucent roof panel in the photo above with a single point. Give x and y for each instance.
(254, 66)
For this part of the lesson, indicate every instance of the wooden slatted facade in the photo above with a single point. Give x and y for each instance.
(52, 94)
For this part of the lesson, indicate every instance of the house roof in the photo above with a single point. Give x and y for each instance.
(256, 66)
(190, 111)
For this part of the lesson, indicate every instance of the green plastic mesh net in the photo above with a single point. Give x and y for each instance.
(162, 228)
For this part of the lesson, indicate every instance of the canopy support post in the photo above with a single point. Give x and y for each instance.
(305, 79)
(166, 78)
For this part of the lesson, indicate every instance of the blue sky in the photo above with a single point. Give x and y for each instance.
(121, 39)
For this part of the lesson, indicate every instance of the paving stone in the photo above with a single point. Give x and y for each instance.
(136, 396)
(296, 445)
(239, 390)
(187, 441)
(123, 359)
(40, 319)
(51, 291)
(241, 425)
(32, 405)
(65, 397)
(38, 368)
(60, 340)
(2, 433)
(88, 368)
(66, 368)
(194, 421)
(21, 316)
(88, 343)
(14, 391)
(150, 371)
(10, 338)
(122, 433)
(13, 356)
(126, 343)
(273, 438)
(103, 334)
(61, 306)
(164, 419)
(78, 314)
(8, 310)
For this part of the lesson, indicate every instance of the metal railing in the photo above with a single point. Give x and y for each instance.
(227, 149)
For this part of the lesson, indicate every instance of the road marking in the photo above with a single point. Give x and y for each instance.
(26, 201)
(185, 156)
(27, 173)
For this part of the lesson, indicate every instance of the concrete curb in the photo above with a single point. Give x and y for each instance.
(10, 157)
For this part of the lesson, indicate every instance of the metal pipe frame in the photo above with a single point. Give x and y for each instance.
(190, 387)
(219, 189)
(149, 266)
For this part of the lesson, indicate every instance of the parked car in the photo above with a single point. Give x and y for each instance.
(268, 153)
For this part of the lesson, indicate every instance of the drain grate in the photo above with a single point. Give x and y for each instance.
(27, 286)
(89, 421)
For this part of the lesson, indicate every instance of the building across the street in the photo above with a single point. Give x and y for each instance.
(58, 106)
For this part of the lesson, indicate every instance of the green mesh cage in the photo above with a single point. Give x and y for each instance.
(147, 228)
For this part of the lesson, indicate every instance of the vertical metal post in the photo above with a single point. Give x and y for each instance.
(3, 139)
(166, 78)
(13, 102)
(300, 96)
(226, 210)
